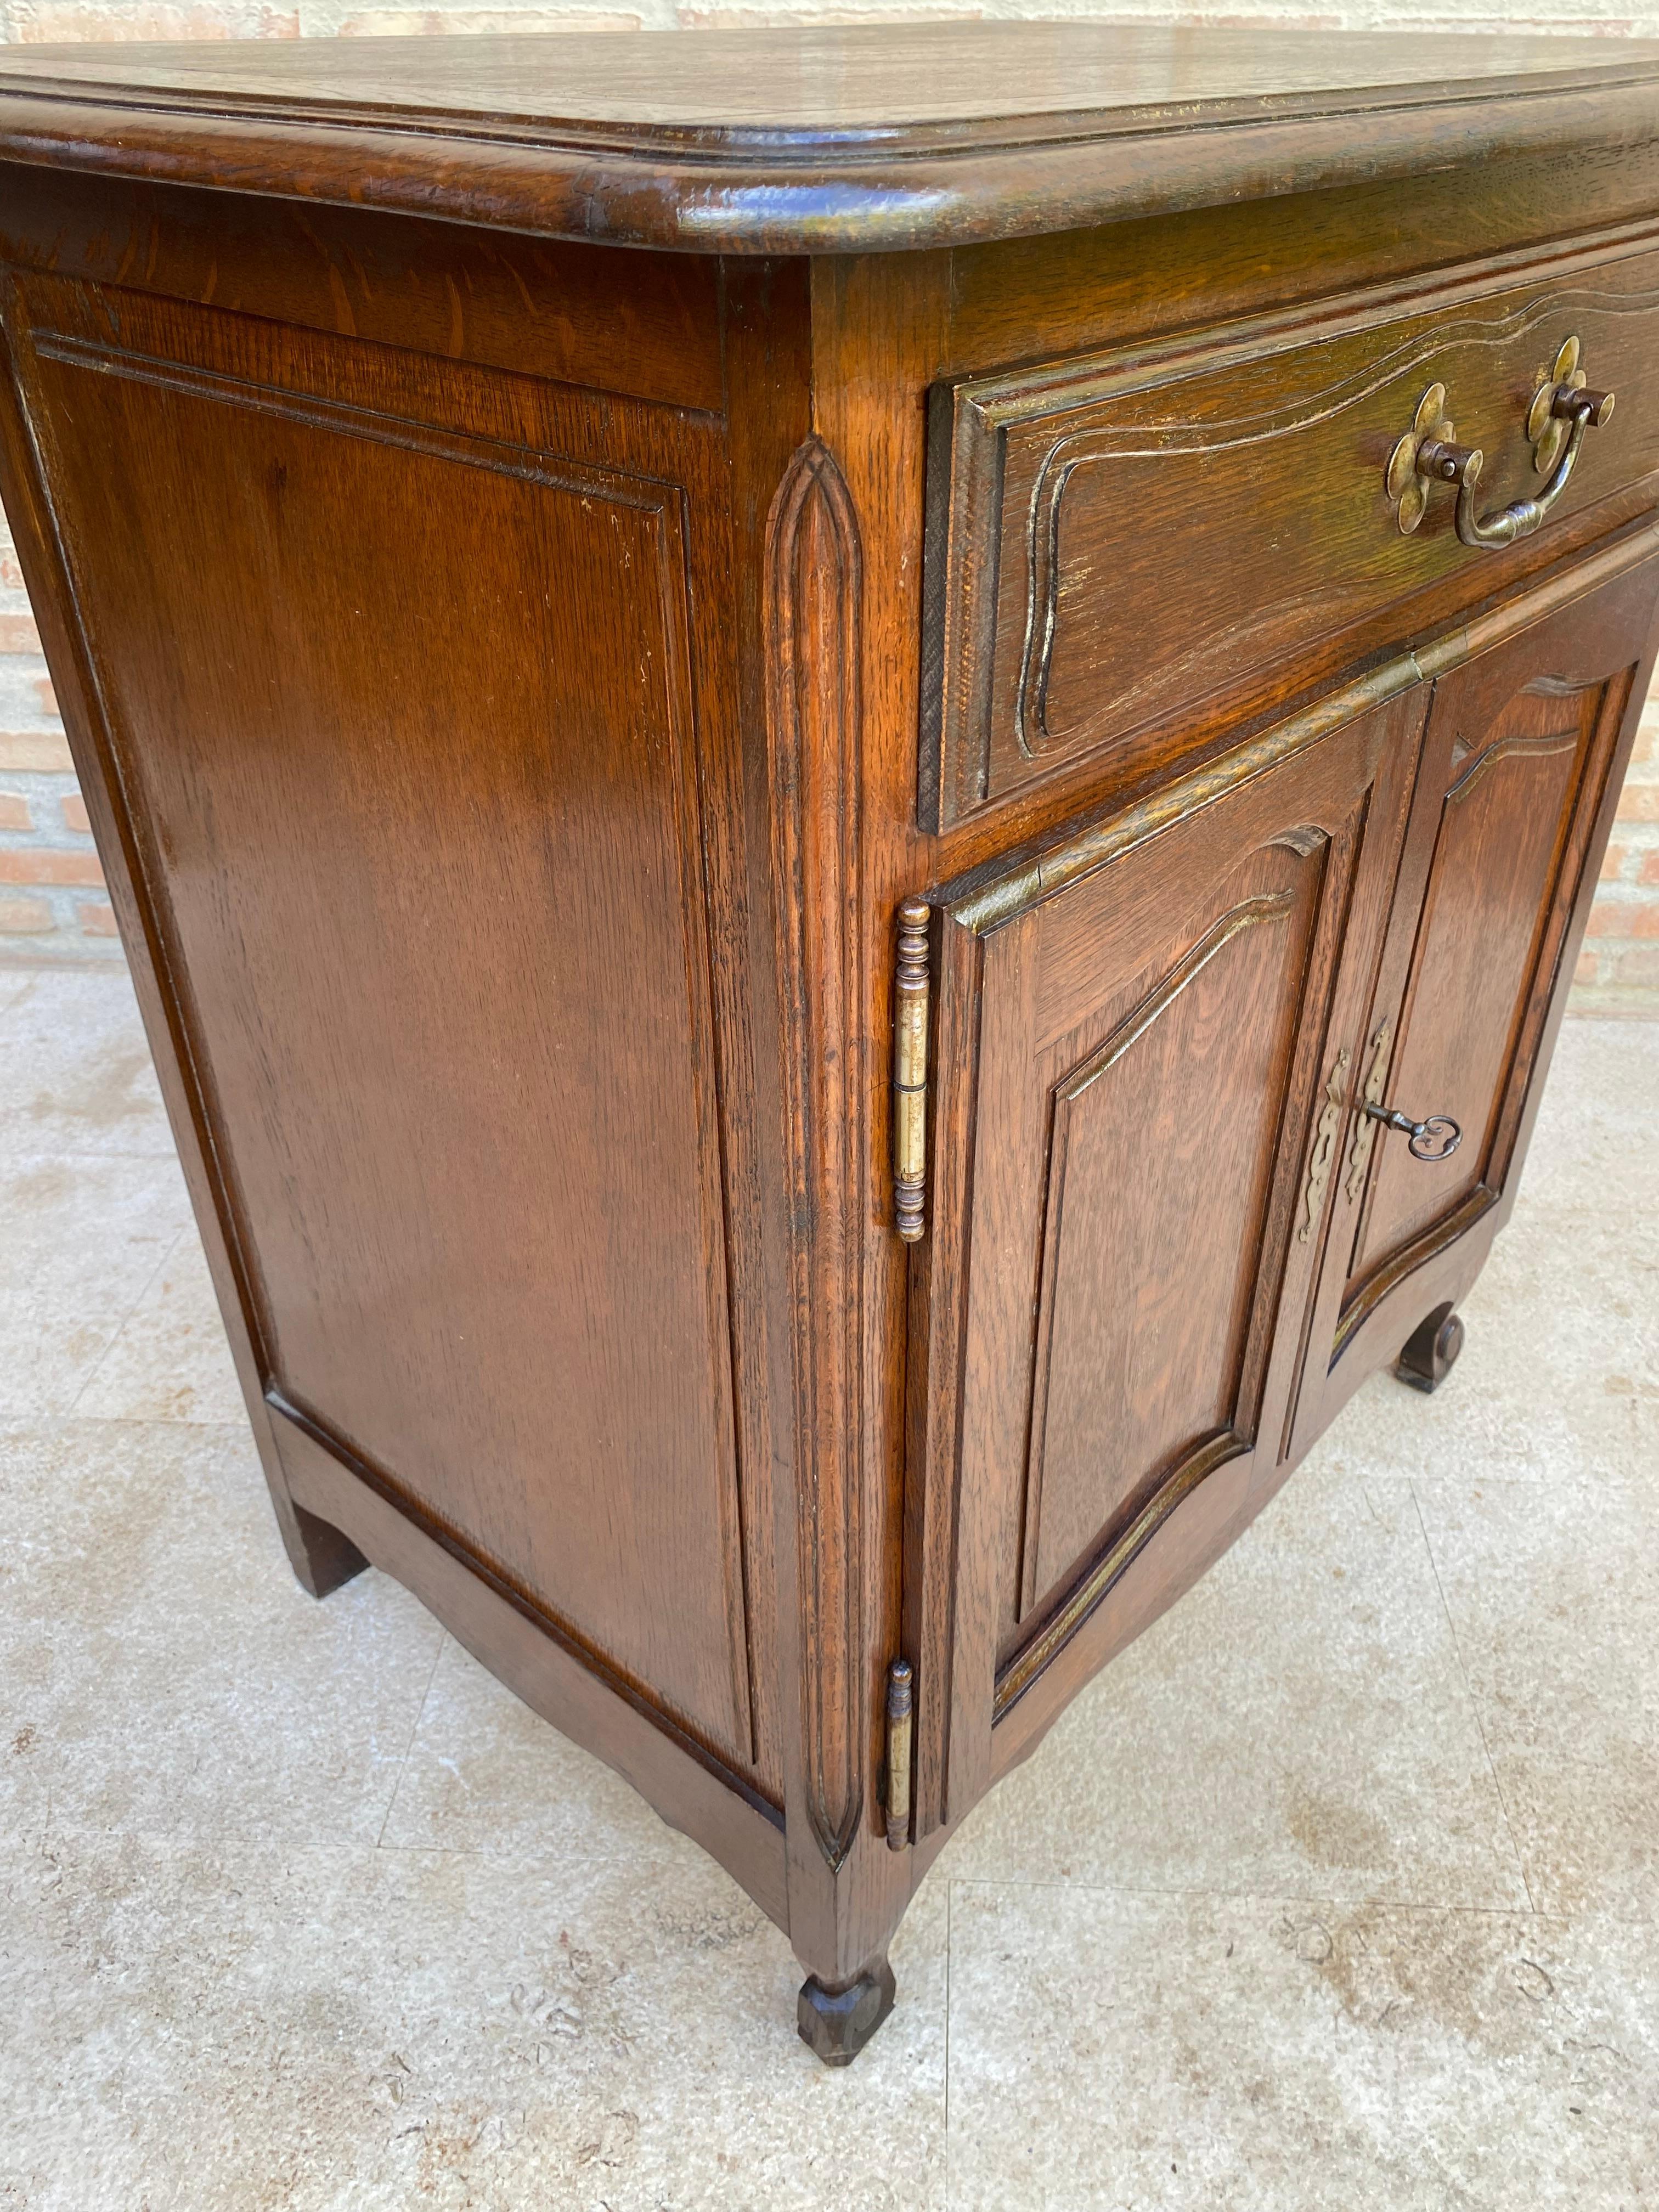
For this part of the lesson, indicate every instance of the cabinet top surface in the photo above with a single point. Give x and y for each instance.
(825, 138)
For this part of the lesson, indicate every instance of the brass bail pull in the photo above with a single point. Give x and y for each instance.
(1563, 410)
(1436, 1138)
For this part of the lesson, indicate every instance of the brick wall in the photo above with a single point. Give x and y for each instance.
(52, 905)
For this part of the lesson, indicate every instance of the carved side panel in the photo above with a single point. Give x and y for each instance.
(814, 587)
(434, 912)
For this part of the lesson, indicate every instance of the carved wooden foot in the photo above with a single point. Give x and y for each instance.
(838, 2023)
(1431, 1352)
(320, 1556)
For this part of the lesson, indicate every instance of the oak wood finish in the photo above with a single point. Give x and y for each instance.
(548, 712)
(1104, 591)
(820, 140)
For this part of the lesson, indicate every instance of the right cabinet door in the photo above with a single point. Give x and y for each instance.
(1516, 786)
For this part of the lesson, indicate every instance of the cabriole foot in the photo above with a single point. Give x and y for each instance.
(1431, 1352)
(838, 2023)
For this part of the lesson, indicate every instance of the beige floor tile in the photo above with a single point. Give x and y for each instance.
(1559, 1376)
(1299, 1723)
(1113, 2050)
(297, 1907)
(484, 1773)
(1594, 1140)
(76, 1074)
(81, 1237)
(237, 2026)
(170, 1361)
(15, 985)
(161, 1672)
(1554, 1595)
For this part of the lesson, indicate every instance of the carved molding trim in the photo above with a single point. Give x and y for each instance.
(1514, 748)
(813, 616)
(1029, 1662)
(1267, 906)
(985, 909)
(376, 427)
(1171, 435)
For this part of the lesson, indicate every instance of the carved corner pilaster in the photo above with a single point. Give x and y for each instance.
(813, 610)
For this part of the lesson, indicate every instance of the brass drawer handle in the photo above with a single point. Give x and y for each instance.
(1563, 409)
(1436, 1139)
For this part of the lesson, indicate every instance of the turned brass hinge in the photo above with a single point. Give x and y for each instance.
(910, 996)
(897, 1790)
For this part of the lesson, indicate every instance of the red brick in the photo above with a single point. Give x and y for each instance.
(1612, 862)
(96, 920)
(10, 574)
(38, 866)
(1639, 966)
(51, 22)
(46, 695)
(1649, 871)
(18, 634)
(1624, 918)
(14, 811)
(75, 814)
(24, 917)
(42, 752)
(1589, 968)
(1640, 802)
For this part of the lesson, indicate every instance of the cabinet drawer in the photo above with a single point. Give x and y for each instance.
(1126, 549)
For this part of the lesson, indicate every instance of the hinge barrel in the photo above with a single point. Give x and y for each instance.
(910, 1009)
(900, 1728)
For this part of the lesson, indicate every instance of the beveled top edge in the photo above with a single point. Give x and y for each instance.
(820, 138)
(820, 91)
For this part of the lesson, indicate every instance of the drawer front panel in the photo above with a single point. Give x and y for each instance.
(1125, 549)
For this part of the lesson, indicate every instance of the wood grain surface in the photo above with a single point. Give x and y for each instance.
(817, 139)
(1131, 541)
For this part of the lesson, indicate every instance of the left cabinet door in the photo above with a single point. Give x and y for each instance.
(1140, 1078)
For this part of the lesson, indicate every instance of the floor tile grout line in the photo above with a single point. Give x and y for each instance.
(119, 1330)
(1474, 1702)
(415, 1729)
(950, 1940)
(1285, 1900)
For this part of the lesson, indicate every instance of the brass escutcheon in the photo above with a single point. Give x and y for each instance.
(1407, 491)
(1546, 430)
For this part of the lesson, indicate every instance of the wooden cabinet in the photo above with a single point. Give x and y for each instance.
(783, 775)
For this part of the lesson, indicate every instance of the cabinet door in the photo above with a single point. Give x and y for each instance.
(1139, 1072)
(1510, 813)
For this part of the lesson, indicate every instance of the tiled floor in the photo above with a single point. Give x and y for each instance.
(1341, 1889)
